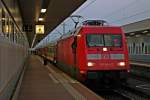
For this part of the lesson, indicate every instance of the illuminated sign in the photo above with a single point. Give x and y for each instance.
(39, 29)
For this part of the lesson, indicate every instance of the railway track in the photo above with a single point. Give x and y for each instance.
(123, 94)
(132, 93)
(140, 71)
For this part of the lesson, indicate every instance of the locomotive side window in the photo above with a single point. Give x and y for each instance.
(104, 40)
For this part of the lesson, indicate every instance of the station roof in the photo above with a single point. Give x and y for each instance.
(138, 28)
(56, 12)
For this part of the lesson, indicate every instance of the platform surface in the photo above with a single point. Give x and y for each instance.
(49, 83)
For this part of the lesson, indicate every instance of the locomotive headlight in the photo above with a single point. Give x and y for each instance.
(121, 63)
(90, 64)
(105, 49)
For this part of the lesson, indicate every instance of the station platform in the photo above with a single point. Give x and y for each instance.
(49, 83)
(140, 63)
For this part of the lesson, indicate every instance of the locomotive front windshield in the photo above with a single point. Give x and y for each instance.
(104, 40)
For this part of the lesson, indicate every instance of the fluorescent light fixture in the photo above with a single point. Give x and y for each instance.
(144, 31)
(41, 19)
(43, 10)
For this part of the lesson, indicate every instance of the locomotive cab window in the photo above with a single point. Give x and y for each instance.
(104, 40)
(113, 40)
(95, 40)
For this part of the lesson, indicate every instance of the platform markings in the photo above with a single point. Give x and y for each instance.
(69, 78)
(140, 64)
(145, 86)
(91, 92)
(53, 79)
(73, 92)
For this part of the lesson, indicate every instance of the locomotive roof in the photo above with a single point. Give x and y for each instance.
(95, 23)
(75, 31)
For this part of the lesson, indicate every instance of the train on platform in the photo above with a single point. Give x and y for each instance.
(93, 51)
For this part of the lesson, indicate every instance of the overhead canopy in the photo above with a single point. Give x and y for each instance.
(137, 26)
(57, 11)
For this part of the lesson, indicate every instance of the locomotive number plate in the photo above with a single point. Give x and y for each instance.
(105, 56)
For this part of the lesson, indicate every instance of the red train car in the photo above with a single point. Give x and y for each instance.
(93, 52)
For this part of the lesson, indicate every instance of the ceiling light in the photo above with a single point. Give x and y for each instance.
(144, 31)
(41, 19)
(132, 33)
(43, 10)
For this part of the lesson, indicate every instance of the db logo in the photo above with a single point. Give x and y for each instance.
(105, 56)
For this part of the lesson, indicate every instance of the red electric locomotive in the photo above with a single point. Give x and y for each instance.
(93, 51)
